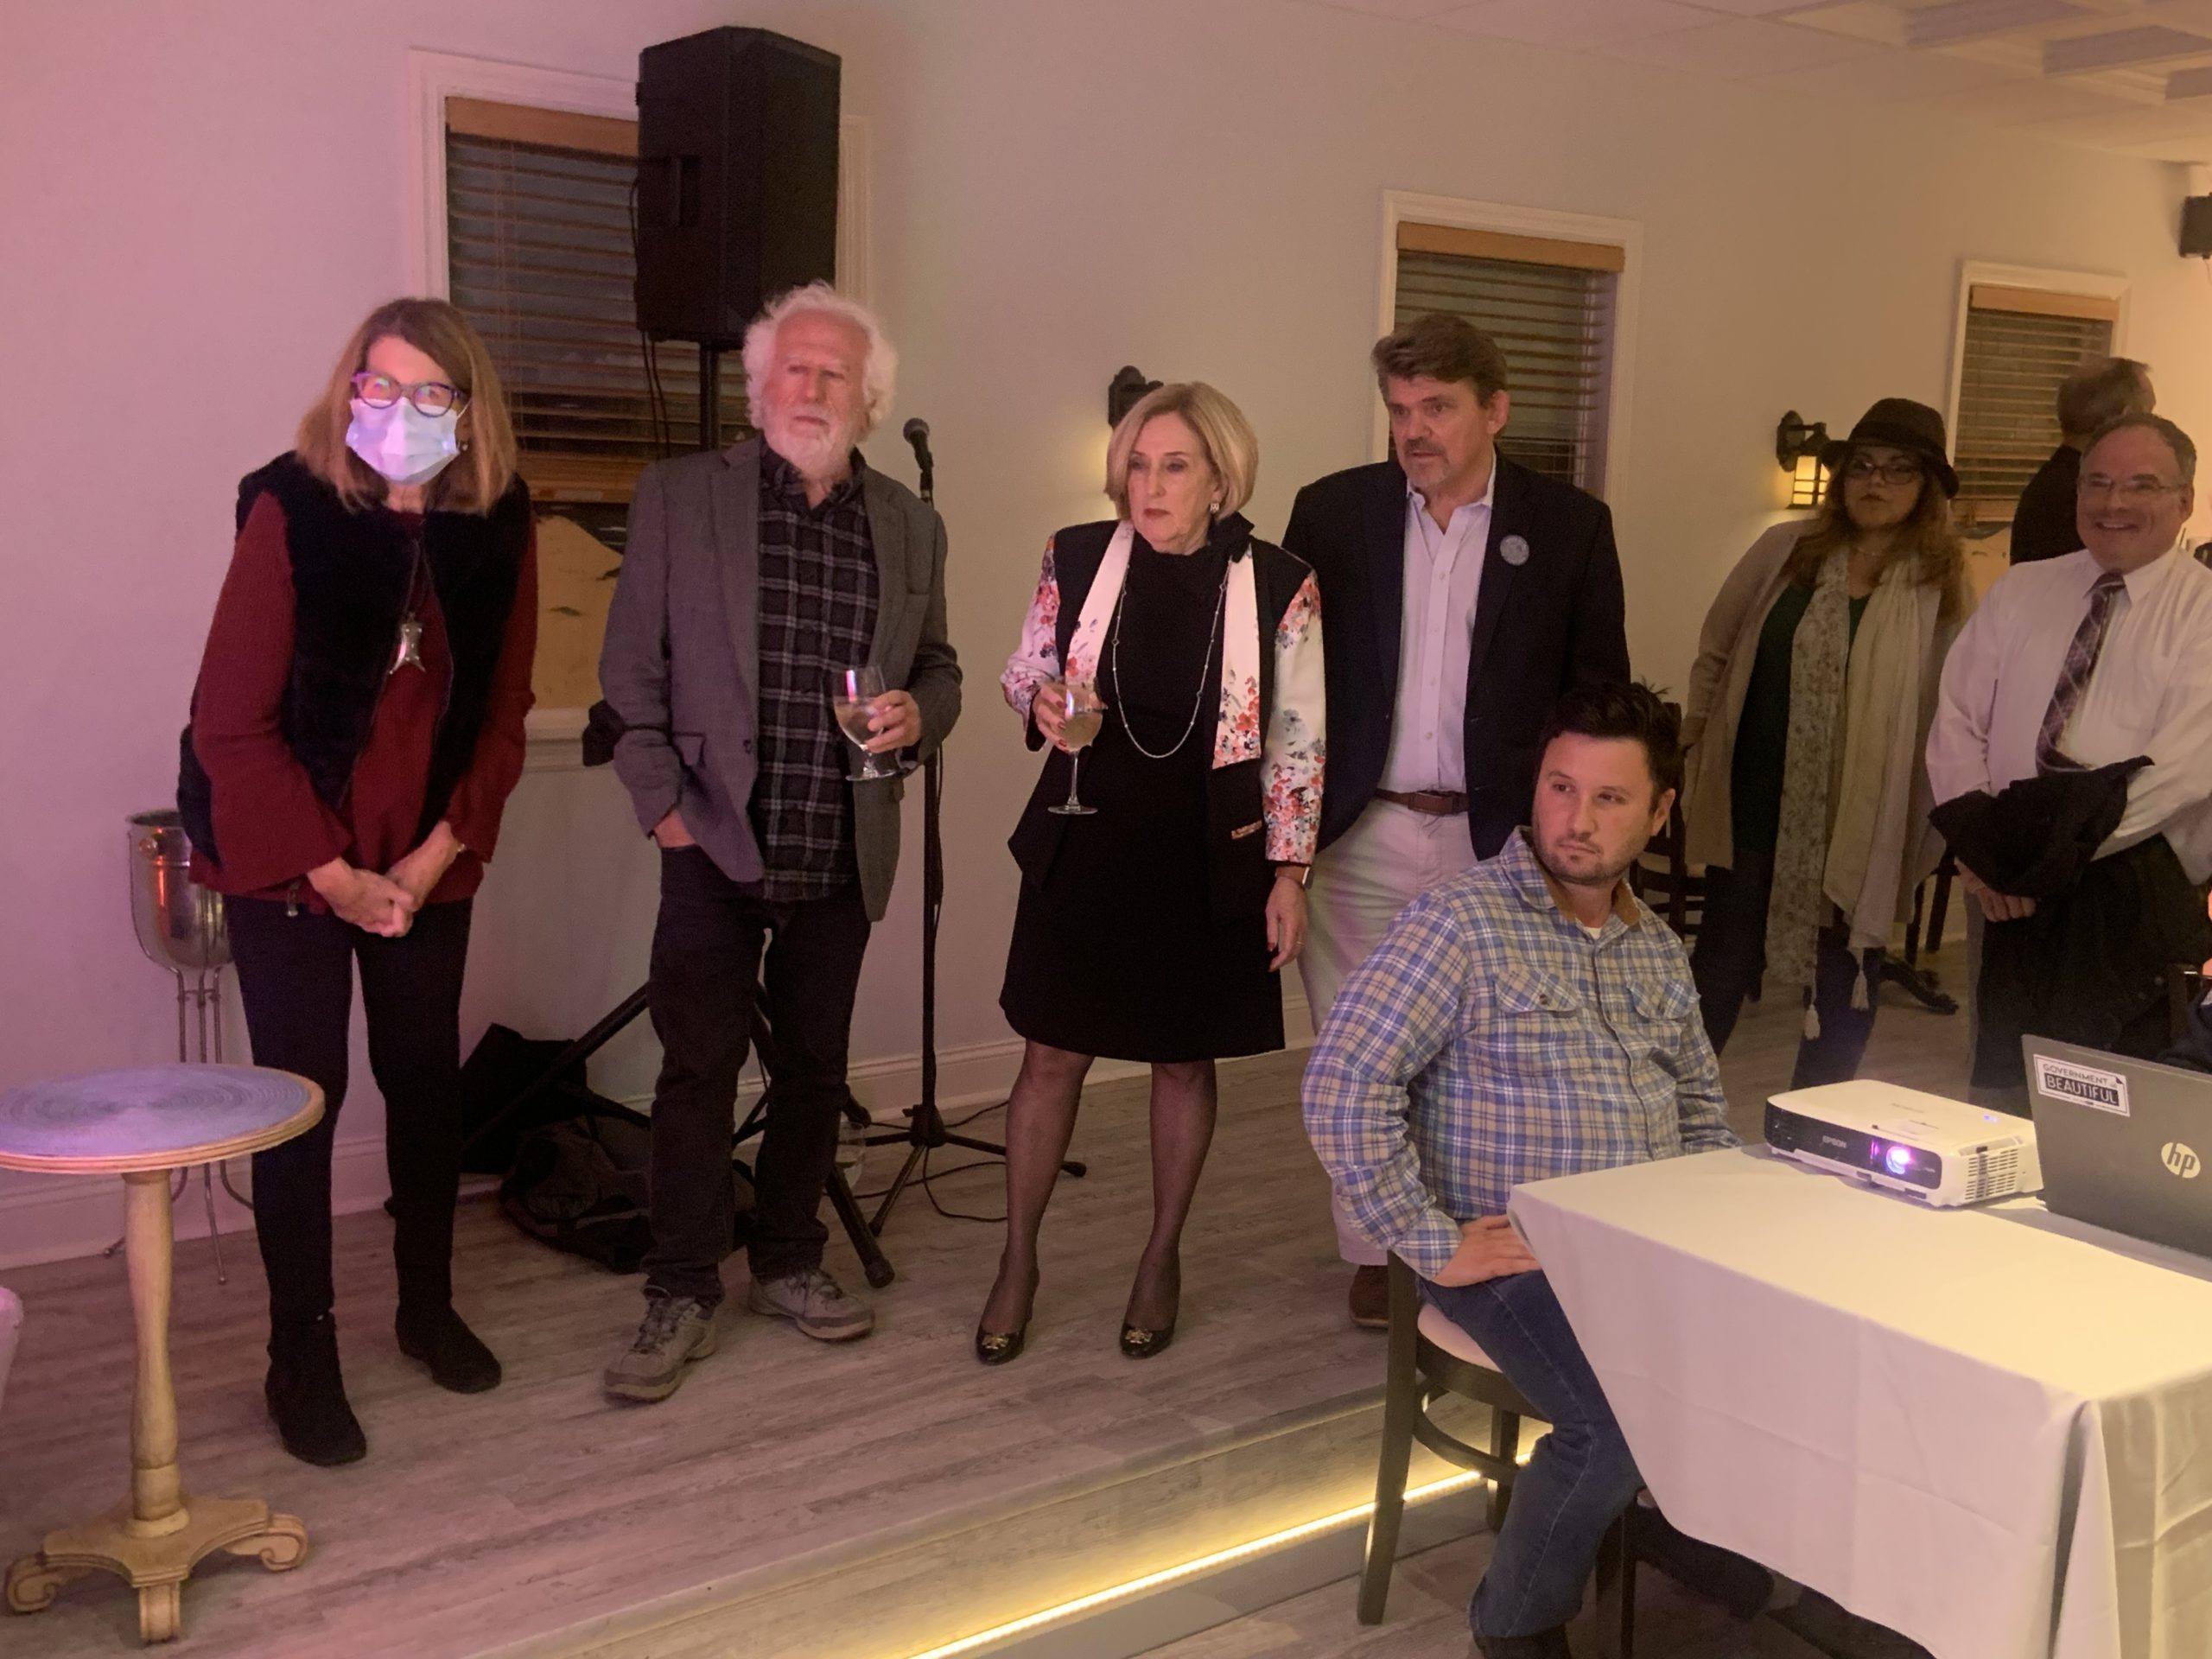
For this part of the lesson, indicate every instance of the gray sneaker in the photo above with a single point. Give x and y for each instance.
(676, 1330)
(815, 1302)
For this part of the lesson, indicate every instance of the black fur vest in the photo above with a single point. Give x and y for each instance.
(351, 573)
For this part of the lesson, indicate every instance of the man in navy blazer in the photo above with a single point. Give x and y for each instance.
(1464, 593)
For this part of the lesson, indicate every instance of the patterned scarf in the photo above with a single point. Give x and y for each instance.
(1852, 824)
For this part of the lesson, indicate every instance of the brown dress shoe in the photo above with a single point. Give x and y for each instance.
(1371, 1298)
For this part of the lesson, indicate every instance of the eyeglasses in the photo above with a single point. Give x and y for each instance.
(2135, 491)
(432, 398)
(1890, 471)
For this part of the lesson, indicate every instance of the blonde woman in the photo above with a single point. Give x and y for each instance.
(356, 729)
(1809, 706)
(1152, 924)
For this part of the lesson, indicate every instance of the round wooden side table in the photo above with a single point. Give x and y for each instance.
(142, 1123)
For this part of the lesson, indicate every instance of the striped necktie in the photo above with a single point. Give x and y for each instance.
(2074, 676)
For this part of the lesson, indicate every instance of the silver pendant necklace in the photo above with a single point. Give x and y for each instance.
(1205, 681)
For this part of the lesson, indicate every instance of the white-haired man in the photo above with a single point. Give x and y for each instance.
(752, 576)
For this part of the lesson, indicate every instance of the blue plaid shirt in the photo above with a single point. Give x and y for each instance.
(1489, 1040)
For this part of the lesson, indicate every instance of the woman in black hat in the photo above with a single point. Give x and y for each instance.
(1807, 797)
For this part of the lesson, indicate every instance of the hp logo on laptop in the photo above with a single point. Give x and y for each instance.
(2181, 1159)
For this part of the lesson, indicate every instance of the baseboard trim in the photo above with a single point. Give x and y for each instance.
(65, 1217)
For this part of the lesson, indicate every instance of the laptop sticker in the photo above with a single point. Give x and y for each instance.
(2105, 1091)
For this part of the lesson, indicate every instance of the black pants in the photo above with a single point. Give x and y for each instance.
(295, 975)
(707, 961)
(1729, 960)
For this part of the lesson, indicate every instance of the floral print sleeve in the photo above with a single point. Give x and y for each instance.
(1296, 750)
(1037, 658)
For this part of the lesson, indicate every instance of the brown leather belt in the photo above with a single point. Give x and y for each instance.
(1434, 802)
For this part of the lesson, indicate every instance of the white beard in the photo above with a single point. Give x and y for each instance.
(816, 454)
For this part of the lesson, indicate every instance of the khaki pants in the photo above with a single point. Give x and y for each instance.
(1389, 857)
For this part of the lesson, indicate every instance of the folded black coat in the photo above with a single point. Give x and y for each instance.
(2090, 966)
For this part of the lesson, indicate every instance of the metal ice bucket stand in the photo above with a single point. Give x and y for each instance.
(180, 927)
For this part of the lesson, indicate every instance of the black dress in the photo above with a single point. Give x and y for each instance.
(1118, 953)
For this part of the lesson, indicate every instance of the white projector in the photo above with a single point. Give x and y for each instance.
(1942, 1152)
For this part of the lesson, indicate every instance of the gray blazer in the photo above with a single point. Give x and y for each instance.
(681, 663)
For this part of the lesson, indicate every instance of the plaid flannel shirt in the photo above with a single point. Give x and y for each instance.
(1489, 1040)
(817, 613)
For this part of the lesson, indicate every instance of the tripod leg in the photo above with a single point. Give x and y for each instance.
(874, 1263)
(991, 1148)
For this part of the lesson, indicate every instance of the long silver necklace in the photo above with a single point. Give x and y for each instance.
(1206, 680)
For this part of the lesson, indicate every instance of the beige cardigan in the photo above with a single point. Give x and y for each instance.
(1726, 647)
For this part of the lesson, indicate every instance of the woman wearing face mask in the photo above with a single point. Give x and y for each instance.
(356, 728)
(1186, 653)
(1807, 797)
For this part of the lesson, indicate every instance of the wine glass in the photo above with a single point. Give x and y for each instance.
(1082, 715)
(853, 692)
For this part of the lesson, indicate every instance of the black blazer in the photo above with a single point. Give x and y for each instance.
(2043, 525)
(1555, 621)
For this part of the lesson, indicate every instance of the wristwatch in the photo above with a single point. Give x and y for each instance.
(1300, 874)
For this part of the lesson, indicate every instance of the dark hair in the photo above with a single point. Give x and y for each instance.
(1441, 346)
(1615, 709)
(2176, 440)
(2100, 391)
(1929, 538)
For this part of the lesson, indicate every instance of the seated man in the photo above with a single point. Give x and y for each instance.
(1528, 1018)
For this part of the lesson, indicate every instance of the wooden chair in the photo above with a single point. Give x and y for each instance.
(1429, 1358)
(1662, 878)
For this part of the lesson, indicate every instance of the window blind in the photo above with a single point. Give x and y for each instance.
(2009, 375)
(539, 254)
(1554, 323)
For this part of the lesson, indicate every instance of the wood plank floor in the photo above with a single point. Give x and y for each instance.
(481, 1522)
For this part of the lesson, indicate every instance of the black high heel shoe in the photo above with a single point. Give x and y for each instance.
(1140, 1342)
(1001, 1347)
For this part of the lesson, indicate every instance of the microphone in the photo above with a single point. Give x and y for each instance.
(917, 433)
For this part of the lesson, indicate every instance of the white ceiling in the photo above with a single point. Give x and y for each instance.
(2133, 76)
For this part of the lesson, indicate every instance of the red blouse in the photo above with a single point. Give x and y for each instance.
(272, 825)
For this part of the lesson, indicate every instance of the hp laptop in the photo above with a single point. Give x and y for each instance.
(2124, 1142)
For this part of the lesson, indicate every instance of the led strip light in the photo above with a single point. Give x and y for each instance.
(1191, 1569)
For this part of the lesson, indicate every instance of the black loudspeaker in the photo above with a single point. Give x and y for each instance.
(737, 179)
(2196, 226)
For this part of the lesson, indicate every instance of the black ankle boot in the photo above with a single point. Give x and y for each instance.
(434, 1334)
(307, 1395)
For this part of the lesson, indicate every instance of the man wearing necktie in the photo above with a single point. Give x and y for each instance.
(2075, 664)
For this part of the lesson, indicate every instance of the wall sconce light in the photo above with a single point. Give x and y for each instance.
(1123, 390)
(1797, 446)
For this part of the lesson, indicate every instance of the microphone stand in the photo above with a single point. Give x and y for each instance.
(925, 1131)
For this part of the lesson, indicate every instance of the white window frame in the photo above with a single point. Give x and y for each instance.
(1627, 234)
(434, 77)
(2087, 284)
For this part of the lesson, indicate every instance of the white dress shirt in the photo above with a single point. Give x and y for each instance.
(2151, 693)
(1436, 625)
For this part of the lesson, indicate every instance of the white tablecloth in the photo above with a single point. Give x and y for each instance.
(1984, 1428)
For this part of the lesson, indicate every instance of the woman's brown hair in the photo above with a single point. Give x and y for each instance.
(479, 475)
(1928, 537)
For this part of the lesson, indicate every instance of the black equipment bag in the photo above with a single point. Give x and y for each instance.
(579, 1184)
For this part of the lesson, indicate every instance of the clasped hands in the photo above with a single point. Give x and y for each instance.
(385, 905)
(1996, 906)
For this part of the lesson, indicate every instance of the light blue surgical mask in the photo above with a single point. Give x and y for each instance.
(404, 444)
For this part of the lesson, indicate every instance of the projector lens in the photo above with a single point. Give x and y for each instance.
(1899, 1160)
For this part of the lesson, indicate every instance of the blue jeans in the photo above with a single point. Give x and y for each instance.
(1580, 1477)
